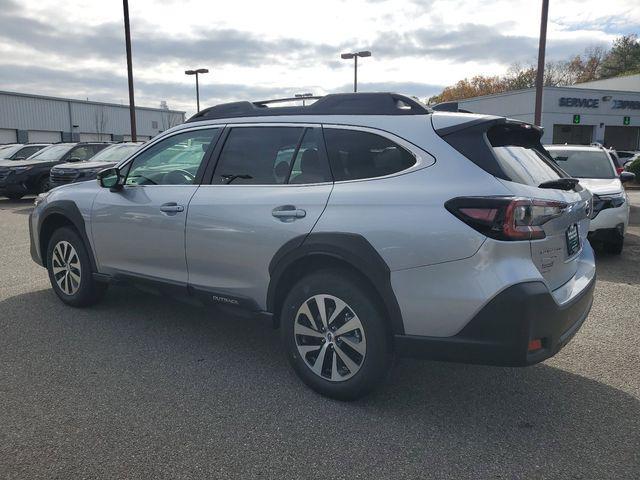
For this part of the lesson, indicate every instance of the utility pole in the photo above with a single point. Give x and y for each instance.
(127, 37)
(540, 72)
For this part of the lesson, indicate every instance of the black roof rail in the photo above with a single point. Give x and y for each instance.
(449, 107)
(333, 104)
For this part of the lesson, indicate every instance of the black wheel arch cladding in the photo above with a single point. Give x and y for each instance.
(349, 248)
(70, 212)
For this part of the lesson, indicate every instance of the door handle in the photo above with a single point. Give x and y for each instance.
(288, 212)
(171, 207)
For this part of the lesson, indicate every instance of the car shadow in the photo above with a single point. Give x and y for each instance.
(162, 366)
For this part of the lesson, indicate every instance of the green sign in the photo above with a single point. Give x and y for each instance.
(626, 121)
(576, 119)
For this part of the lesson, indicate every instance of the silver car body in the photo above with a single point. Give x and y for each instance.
(442, 271)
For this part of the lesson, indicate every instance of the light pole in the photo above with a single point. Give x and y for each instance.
(127, 39)
(540, 72)
(355, 55)
(303, 96)
(196, 72)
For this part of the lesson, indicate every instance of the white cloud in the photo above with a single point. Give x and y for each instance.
(254, 48)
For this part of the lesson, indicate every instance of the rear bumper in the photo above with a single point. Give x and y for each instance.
(499, 334)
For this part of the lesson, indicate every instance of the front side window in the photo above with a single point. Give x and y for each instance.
(354, 154)
(172, 161)
(583, 163)
(272, 155)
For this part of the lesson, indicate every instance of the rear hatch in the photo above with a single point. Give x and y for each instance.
(548, 209)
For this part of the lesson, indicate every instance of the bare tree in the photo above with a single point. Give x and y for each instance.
(101, 119)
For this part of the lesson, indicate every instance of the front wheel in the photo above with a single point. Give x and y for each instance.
(335, 335)
(70, 270)
(44, 185)
(14, 196)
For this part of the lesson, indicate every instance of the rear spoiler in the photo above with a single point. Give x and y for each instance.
(472, 139)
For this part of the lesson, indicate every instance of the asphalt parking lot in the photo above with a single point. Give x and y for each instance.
(145, 387)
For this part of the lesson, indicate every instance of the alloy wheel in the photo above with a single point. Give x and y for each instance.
(66, 267)
(330, 338)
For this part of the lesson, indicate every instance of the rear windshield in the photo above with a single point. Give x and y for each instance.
(584, 163)
(520, 155)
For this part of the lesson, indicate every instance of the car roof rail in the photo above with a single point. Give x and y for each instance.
(449, 107)
(365, 103)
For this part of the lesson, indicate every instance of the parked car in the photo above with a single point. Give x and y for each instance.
(88, 169)
(364, 226)
(21, 177)
(595, 169)
(21, 151)
(627, 156)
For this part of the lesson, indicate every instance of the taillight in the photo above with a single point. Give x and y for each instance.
(506, 218)
(619, 170)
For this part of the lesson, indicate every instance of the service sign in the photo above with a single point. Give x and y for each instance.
(579, 102)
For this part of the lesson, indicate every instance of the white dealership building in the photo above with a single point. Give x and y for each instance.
(604, 111)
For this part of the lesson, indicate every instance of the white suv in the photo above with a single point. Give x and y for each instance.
(595, 169)
(363, 225)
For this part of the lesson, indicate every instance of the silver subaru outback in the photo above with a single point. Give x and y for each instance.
(363, 226)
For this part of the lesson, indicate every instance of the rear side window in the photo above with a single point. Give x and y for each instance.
(354, 154)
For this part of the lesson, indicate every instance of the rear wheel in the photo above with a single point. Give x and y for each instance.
(70, 270)
(335, 335)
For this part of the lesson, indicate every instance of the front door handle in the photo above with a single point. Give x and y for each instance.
(171, 207)
(288, 212)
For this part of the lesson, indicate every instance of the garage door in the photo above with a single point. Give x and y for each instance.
(573, 134)
(42, 136)
(622, 138)
(95, 137)
(8, 136)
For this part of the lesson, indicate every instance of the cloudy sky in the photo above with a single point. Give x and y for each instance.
(257, 49)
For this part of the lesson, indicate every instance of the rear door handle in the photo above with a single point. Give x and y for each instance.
(288, 212)
(171, 207)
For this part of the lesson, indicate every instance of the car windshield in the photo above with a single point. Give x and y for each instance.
(9, 151)
(54, 152)
(584, 163)
(115, 153)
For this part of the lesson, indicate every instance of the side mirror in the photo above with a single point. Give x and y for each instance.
(627, 177)
(110, 178)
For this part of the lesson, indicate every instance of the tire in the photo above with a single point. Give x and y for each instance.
(614, 247)
(355, 361)
(14, 196)
(68, 261)
(44, 185)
